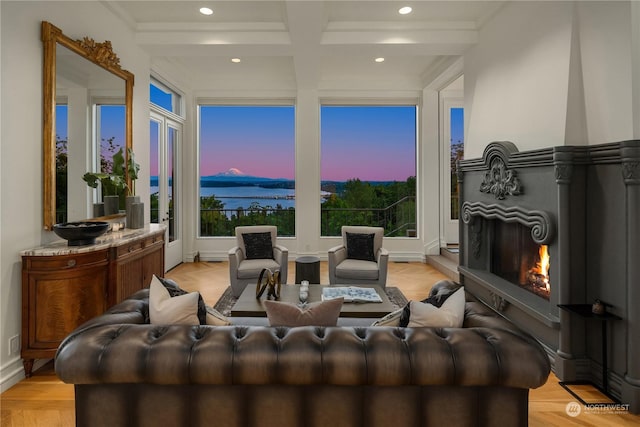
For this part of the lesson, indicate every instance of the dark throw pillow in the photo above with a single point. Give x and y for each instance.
(360, 246)
(175, 290)
(258, 245)
(441, 291)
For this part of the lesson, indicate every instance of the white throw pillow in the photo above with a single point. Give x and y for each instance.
(215, 318)
(165, 310)
(450, 315)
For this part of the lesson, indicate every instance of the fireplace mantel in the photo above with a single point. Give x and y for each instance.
(584, 203)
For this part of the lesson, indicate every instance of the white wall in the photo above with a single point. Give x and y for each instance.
(516, 78)
(21, 136)
(605, 48)
(519, 85)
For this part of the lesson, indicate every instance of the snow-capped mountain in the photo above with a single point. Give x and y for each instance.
(231, 172)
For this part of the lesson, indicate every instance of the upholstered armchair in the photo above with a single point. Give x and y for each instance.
(360, 259)
(255, 250)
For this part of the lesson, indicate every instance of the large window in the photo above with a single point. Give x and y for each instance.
(247, 167)
(368, 168)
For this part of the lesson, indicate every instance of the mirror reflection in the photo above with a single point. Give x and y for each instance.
(87, 115)
(89, 129)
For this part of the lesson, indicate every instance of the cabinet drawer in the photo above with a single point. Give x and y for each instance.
(129, 248)
(62, 262)
(138, 245)
(156, 238)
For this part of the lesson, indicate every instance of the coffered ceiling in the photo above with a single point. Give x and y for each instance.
(305, 44)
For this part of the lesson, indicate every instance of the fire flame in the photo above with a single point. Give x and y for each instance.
(542, 267)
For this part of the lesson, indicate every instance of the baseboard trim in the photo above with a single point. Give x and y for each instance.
(12, 373)
(16, 372)
(432, 247)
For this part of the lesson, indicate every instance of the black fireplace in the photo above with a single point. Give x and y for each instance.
(516, 258)
(554, 226)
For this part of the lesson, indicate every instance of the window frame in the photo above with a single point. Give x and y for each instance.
(177, 97)
(415, 102)
(206, 101)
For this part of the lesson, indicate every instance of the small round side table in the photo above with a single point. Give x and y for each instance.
(308, 268)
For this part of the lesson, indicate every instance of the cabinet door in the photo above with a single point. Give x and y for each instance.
(60, 302)
(134, 266)
(128, 277)
(153, 263)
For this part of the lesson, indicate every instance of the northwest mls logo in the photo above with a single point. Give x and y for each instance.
(573, 409)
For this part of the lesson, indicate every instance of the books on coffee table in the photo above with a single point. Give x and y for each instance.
(350, 294)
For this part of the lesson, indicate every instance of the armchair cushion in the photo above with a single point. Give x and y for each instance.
(251, 268)
(360, 246)
(258, 245)
(357, 269)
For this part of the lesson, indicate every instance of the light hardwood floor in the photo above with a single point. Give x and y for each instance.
(44, 401)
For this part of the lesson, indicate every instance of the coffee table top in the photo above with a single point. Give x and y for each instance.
(248, 306)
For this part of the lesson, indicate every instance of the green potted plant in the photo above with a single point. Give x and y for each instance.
(112, 184)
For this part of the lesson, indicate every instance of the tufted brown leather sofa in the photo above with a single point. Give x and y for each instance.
(130, 373)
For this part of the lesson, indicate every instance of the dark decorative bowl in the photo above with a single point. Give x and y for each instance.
(81, 232)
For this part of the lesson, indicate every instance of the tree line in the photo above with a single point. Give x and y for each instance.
(390, 205)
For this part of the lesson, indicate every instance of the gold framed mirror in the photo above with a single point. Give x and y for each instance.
(80, 64)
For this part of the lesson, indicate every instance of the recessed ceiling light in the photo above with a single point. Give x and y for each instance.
(235, 60)
(379, 59)
(404, 10)
(206, 11)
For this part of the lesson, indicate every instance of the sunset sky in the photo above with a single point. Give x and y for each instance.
(258, 140)
(369, 143)
(365, 142)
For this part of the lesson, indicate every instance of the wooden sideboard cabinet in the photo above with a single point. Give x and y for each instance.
(63, 286)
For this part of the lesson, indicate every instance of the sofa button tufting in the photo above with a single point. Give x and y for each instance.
(400, 333)
(361, 333)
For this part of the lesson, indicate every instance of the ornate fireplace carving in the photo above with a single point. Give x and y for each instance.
(500, 181)
(542, 228)
(583, 202)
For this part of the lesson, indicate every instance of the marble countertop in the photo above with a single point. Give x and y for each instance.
(110, 239)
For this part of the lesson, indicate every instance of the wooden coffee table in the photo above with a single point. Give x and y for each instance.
(248, 306)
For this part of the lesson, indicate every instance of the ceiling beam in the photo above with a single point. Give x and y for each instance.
(306, 22)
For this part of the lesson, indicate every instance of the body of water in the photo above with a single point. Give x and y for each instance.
(243, 197)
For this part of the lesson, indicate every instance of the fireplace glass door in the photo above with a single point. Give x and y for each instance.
(516, 258)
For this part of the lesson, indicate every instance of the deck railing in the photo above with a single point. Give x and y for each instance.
(398, 219)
